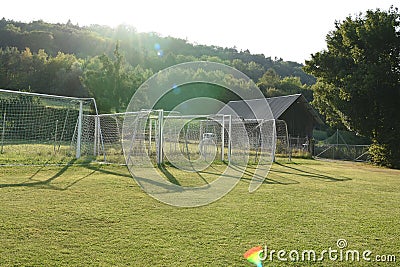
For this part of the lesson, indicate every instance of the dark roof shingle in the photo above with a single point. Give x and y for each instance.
(255, 108)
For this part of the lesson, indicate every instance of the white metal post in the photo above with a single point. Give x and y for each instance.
(155, 136)
(150, 133)
(78, 139)
(160, 136)
(223, 138)
(273, 140)
(230, 139)
(96, 132)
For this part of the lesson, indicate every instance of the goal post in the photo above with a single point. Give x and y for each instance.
(44, 129)
(163, 137)
(268, 133)
(41, 128)
(169, 137)
(190, 137)
(160, 134)
(79, 136)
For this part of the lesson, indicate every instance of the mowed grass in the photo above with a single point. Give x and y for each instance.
(96, 215)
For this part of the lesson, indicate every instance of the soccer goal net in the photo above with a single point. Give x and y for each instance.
(282, 149)
(193, 142)
(190, 142)
(104, 131)
(47, 129)
(42, 129)
(265, 132)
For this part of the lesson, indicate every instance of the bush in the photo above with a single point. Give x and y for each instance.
(302, 154)
(384, 155)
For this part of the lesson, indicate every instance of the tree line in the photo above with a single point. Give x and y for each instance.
(138, 48)
(109, 64)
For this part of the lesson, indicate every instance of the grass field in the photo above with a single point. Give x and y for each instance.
(96, 215)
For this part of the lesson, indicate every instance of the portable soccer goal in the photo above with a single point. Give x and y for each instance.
(162, 136)
(192, 142)
(46, 129)
(39, 128)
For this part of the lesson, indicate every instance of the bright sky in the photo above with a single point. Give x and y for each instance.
(288, 29)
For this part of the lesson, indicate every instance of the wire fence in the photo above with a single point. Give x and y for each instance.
(306, 147)
(342, 152)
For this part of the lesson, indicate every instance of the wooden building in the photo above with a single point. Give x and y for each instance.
(295, 110)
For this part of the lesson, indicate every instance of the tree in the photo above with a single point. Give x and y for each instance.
(112, 82)
(99, 79)
(359, 80)
(270, 79)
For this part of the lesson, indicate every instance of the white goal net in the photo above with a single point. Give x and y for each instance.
(41, 129)
(46, 129)
(192, 142)
(282, 149)
(104, 131)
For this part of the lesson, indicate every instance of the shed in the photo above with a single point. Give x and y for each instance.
(299, 115)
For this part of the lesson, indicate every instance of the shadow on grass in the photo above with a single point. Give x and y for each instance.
(202, 178)
(97, 168)
(47, 183)
(315, 174)
(168, 175)
(172, 178)
(251, 174)
(276, 175)
(267, 179)
(213, 171)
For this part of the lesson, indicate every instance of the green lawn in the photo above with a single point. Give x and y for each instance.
(97, 215)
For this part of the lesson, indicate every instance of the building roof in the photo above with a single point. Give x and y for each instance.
(255, 108)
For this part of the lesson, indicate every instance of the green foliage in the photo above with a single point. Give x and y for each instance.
(301, 154)
(270, 79)
(39, 72)
(319, 135)
(66, 59)
(380, 154)
(271, 84)
(358, 78)
(112, 82)
(138, 48)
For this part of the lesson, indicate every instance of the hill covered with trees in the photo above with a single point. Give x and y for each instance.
(111, 63)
